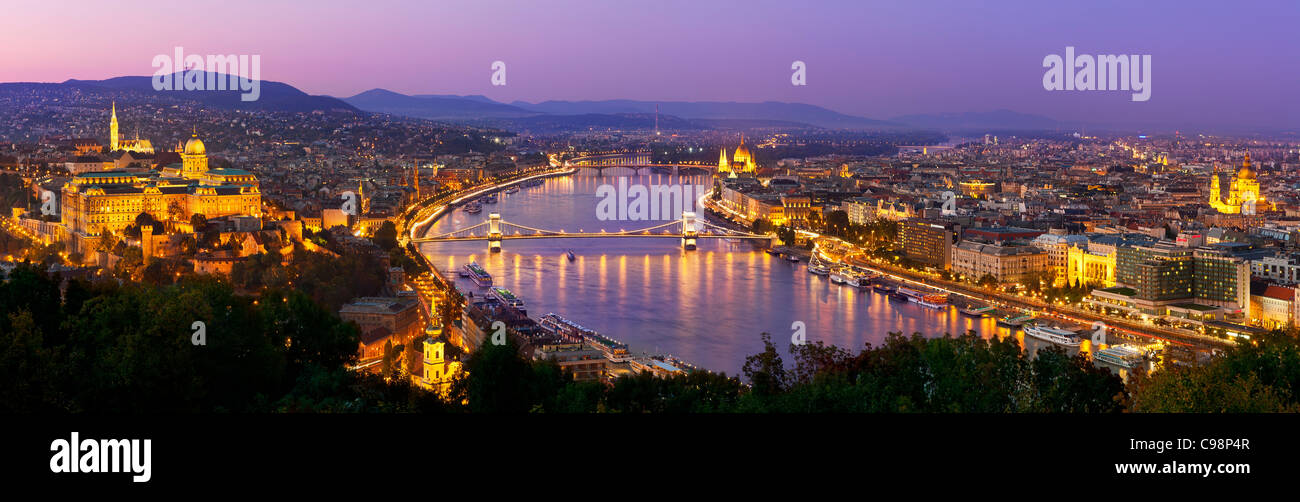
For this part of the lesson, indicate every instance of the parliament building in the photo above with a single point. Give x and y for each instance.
(740, 163)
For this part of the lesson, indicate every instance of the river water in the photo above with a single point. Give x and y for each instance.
(707, 307)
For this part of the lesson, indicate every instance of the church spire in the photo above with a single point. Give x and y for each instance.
(112, 130)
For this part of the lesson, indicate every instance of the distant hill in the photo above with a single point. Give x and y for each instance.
(607, 114)
(972, 122)
(430, 106)
(275, 96)
(625, 121)
(767, 111)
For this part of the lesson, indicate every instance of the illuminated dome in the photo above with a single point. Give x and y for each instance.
(1246, 173)
(195, 146)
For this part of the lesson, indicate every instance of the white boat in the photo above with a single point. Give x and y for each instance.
(613, 350)
(818, 269)
(935, 301)
(505, 296)
(836, 278)
(478, 274)
(1059, 336)
(854, 281)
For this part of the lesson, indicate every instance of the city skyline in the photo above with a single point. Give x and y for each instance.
(877, 61)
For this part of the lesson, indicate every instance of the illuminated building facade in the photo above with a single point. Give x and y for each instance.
(742, 162)
(928, 241)
(115, 143)
(1242, 195)
(439, 370)
(109, 201)
(1007, 264)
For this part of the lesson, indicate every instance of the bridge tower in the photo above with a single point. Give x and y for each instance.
(689, 230)
(494, 232)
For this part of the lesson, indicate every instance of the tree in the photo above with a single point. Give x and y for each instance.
(386, 236)
(765, 370)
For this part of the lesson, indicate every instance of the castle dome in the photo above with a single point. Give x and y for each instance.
(195, 146)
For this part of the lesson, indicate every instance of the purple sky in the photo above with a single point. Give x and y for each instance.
(1233, 63)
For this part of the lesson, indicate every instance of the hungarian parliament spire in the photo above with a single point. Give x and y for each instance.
(740, 163)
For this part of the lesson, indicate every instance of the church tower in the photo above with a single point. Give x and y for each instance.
(417, 180)
(723, 163)
(112, 130)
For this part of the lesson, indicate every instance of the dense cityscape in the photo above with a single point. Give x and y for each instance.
(1143, 262)
(675, 246)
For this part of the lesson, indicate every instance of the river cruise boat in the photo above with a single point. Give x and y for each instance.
(934, 301)
(836, 278)
(512, 190)
(899, 297)
(490, 199)
(505, 296)
(478, 275)
(856, 281)
(614, 350)
(818, 269)
(881, 287)
(1058, 336)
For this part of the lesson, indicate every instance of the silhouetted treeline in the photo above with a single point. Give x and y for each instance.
(112, 348)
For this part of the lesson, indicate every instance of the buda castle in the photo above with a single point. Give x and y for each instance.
(109, 201)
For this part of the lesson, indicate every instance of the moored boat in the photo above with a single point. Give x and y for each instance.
(934, 301)
(506, 296)
(478, 274)
(1014, 321)
(977, 312)
(1056, 335)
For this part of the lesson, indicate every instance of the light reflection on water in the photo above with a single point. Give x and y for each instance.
(706, 306)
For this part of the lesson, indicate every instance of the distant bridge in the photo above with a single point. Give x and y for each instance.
(635, 161)
(688, 230)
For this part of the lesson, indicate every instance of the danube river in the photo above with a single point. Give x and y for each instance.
(707, 307)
